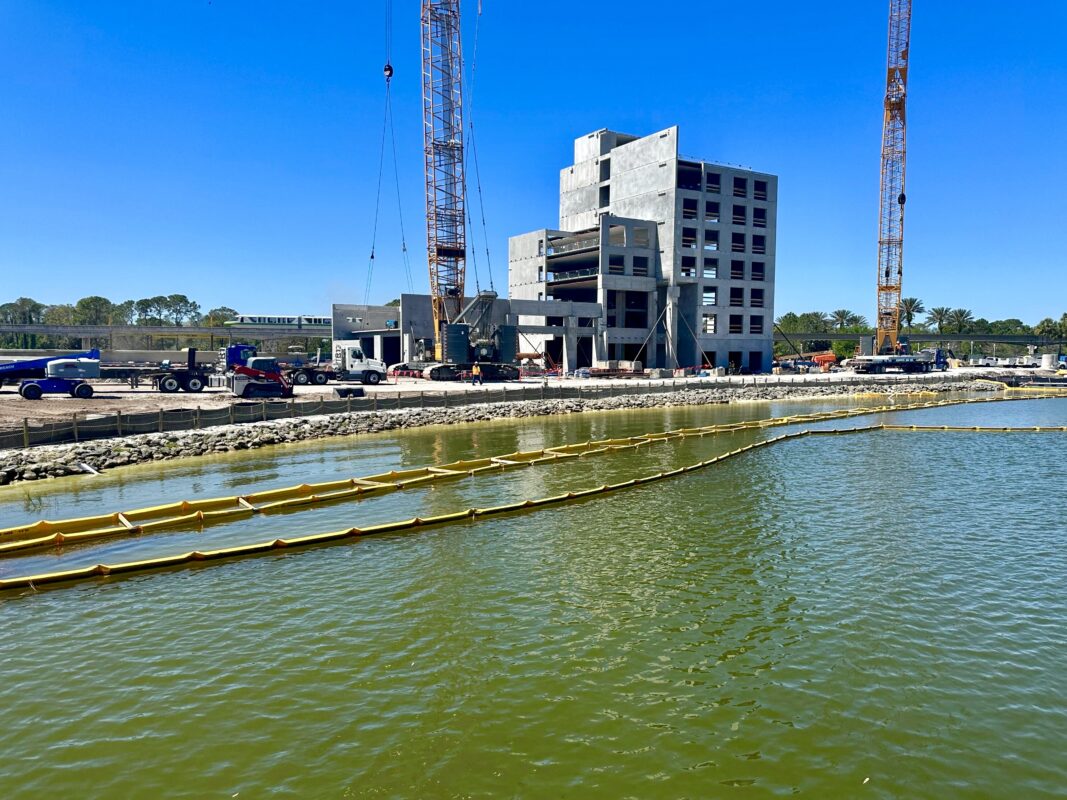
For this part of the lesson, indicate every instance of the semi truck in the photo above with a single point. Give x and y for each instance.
(351, 363)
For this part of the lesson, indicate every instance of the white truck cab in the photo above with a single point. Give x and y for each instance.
(350, 363)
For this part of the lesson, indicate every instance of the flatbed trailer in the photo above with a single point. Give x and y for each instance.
(877, 365)
(167, 378)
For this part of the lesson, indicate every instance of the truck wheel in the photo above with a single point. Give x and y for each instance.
(373, 378)
(83, 391)
(301, 379)
(321, 378)
(169, 384)
(31, 391)
(194, 383)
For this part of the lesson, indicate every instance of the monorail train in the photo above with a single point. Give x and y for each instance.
(294, 321)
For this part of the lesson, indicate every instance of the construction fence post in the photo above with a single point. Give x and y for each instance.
(263, 410)
(196, 418)
(118, 422)
(231, 413)
(25, 433)
(161, 419)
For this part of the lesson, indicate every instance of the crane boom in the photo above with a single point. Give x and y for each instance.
(442, 103)
(891, 212)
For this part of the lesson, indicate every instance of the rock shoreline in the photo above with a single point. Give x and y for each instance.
(55, 461)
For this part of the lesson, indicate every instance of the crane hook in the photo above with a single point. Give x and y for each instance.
(388, 71)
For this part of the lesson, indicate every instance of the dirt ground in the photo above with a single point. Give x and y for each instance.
(112, 397)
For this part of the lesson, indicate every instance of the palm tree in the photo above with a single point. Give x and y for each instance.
(842, 318)
(960, 318)
(814, 321)
(938, 317)
(909, 307)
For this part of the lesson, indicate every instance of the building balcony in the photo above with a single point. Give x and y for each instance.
(572, 244)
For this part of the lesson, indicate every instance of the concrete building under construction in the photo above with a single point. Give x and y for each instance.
(679, 253)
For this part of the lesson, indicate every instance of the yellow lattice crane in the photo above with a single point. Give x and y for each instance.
(442, 101)
(891, 212)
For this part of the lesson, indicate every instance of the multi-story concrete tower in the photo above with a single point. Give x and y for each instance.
(679, 252)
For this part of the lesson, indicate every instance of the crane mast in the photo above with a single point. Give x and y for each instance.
(891, 213)
(442, 103)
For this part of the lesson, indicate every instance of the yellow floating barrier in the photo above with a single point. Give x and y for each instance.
(104, 570)
(199, 513)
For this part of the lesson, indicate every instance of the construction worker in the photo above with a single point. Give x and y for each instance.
(476, 375)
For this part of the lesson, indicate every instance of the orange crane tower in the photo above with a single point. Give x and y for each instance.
(891, 216)
(442, 105)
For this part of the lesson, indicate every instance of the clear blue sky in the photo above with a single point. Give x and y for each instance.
(228, 150)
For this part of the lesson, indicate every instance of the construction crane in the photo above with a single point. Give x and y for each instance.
(465, 332)
(442, 104)
(891, 212)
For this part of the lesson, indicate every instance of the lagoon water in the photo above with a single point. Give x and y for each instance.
(881, 615)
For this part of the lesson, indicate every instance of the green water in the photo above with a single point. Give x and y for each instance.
(877, 615)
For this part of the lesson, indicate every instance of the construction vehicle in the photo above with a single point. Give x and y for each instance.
(351, 364)
(463, 336)
(925, 361)
(259, 377)
(166, 377)
(891, 208)
(824, 361)
(299, 374)
(473, 338)
(37, 367)
(63, 376)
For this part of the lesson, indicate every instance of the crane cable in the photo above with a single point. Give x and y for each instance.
(399, 204)
(378, 194)
(388, 128)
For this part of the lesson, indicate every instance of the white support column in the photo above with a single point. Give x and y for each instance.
(671, 322)
(652, 348)
(570, 344)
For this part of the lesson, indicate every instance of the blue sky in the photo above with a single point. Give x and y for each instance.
(228, 149)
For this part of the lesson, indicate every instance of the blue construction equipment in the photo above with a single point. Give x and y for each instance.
(37, 367)
(63, 376)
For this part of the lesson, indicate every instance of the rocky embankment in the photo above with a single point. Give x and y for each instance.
(59, 460)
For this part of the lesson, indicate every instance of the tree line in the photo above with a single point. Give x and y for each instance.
(915, 320)
(175, 310)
